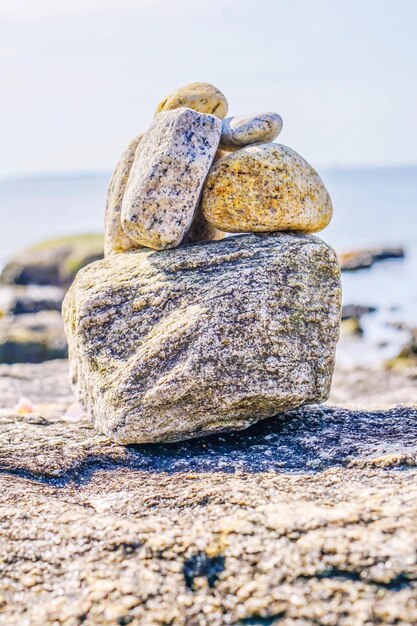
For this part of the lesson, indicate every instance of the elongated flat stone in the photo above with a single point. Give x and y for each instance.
(167, 175)
(115, 238)
(212, 337)
(243, 130)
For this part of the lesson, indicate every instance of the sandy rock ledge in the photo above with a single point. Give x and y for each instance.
(305, 519)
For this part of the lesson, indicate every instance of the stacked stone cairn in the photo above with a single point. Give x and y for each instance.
(180, 332)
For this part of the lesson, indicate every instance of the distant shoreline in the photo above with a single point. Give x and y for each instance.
(51, 176)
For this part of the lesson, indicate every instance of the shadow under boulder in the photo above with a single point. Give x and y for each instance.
(306, 440)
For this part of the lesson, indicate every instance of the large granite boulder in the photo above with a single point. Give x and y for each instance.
(209, 337)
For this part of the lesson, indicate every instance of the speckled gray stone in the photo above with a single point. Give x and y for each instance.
(168, 172)
(115, 239)
(243, 130)
(210, 337)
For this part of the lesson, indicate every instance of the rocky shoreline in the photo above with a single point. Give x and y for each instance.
(303, 520)
(287, 511)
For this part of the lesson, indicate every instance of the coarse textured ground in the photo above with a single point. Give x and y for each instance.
(308, 518)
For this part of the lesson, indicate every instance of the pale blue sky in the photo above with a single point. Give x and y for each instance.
(80, 78)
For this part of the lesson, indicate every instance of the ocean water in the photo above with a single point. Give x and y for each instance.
(372, 207)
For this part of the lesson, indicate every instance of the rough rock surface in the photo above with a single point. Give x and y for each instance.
(201, 97)
(209, 337)
(167, 175)
(305, 519)
(53, 262)
(43, 383)
(115, 238)
(356, 389)
(377, 388)
(266, 187)
(246, 129)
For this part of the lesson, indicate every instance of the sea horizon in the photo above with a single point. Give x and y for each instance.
(100, 173)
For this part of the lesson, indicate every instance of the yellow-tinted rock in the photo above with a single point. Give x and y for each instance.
(201, 97)
(265, 188)
(174, 344)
